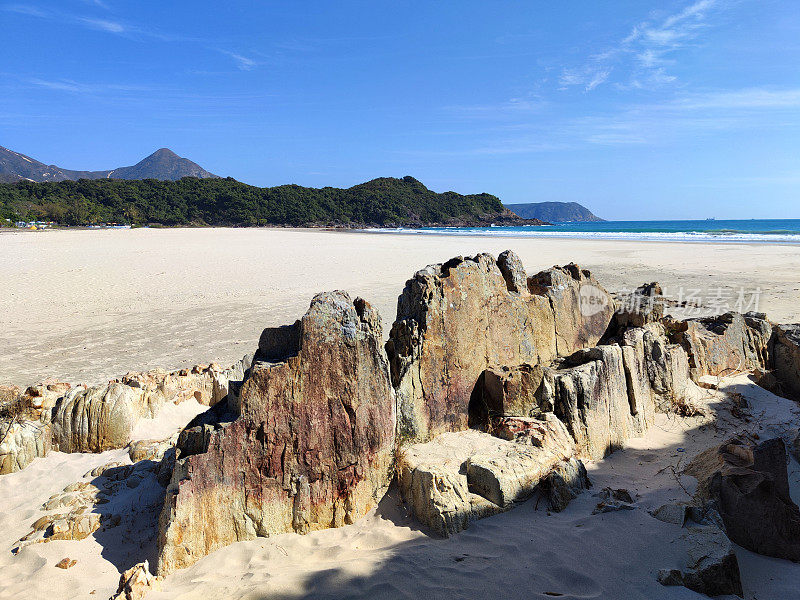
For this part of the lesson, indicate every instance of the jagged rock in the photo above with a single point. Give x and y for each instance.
(727, 344)
(457, 319)
(642, 398)
(787, 359)
(604, 395)
(508, 391)
(136, 582)
(711, 567)
(459, 477)
(229, 381)
(582, 308)
(643, 306)
(25, 431)
(454, 320)
(590, 395)
(150, 449)
(748, 485)
(309, 446)
(513, 272)
(160, 387)
(564, 483)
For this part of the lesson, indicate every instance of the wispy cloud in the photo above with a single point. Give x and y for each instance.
(128, 30)
(68, 85)
(244, 63)
(103, 25)
(647, 51)
(24, 9)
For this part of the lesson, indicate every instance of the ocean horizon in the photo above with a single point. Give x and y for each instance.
(766, 231)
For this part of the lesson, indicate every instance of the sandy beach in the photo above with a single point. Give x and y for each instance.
(89, 305)
(86, 306)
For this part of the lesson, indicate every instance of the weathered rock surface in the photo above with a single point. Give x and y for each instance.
(727, 344)
(21, 442)
(786, 361)
(508, 391)
(460, 477)
(590, 395)
(748, 486)
(457, 319)
(643, 306)
(150, 449)
(102, 417)
(453, 321)
(25, 431)
(136, 582)
(564, 483)
(309, 444)
(711, 566)
(582, 308)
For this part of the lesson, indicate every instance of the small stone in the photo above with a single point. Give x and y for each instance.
(66, 563)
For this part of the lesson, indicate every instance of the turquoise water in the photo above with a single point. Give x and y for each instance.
(784, 231)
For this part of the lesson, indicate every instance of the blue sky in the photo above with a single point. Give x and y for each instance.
(638, 109)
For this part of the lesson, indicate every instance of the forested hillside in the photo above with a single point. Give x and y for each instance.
(191, 201)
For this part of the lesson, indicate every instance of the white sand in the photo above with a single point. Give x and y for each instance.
(525, 553)
(85, 306)
(89, 305)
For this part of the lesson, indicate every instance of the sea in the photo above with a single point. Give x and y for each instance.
(762, 231)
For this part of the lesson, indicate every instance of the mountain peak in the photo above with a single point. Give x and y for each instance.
(161, 164)
(164, 152)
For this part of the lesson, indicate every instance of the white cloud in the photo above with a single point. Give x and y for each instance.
(649, 45)
(244, 63)
(104, 25)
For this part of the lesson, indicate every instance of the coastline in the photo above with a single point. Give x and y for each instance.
(90, 305)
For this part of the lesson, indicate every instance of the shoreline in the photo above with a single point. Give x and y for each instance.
(88, 307)
(462, 232)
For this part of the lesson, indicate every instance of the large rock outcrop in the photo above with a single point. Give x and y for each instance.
(460, 477)
(748, 485)
(308, 443)
(456, 319)
(103, 417)
(728, 343)
(604, 395)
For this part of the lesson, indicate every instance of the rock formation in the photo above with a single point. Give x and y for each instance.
(455, 320)
(80, 419)
(460, 477)
(308, 444)
(748, 485)
(136, 582)
(728, 343)
(711, 565)
(25, 431)
(786, 359)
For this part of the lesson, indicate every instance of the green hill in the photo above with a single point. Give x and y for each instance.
(384, 202)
